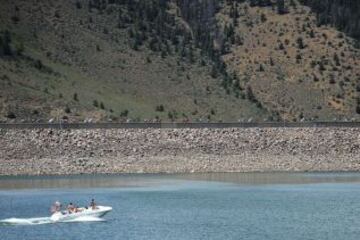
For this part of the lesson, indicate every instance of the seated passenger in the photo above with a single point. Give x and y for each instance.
(77, 209)
(71, 208)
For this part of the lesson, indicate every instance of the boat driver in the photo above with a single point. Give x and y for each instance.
(93, 204)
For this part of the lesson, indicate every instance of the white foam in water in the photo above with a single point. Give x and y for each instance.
(25, 221)
(46, 220)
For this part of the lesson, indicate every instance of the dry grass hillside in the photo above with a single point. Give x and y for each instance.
(294, 67)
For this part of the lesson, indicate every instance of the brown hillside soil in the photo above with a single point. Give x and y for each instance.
(314, 81)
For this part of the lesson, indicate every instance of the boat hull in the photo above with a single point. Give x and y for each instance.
(100, 211)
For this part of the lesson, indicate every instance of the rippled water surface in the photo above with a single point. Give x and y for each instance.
(201, 206)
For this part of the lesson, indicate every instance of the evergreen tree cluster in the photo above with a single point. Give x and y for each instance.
(150, 24)
(345, 15)
(261, 3)
(280, 4)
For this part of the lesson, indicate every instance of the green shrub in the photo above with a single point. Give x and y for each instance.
(261, 68)
(67, 110)
(38, 64)
(78, 5)
(76, 98)
(5, 44)
(358, 88)
(263, 18)
(11, 115)
(124, 113)
(102, 106)
(15, 19)
(160, 108)
(19, 48)
(300, 43)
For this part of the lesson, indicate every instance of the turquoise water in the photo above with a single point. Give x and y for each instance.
(218, 206)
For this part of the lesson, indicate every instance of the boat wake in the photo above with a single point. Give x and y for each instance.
(47, 220)
(25, 221)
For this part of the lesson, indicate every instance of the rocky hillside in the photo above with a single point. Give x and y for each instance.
(178, 60)
(295, 66)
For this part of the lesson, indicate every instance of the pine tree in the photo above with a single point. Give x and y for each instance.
(6, 44)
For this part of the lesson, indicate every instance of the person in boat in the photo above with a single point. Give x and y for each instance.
(93, 204)
(56, 207)
(71, 208)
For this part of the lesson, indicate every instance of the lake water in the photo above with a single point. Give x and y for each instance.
(196, 206)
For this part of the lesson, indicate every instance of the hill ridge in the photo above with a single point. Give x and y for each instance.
(117, 60)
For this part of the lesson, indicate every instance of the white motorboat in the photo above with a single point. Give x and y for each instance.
(97, 212)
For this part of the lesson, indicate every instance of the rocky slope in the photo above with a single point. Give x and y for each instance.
(44, 151)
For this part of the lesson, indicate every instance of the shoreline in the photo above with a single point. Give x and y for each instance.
(151, 180)
(75, 175)
(56, 152)
(164, 174)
